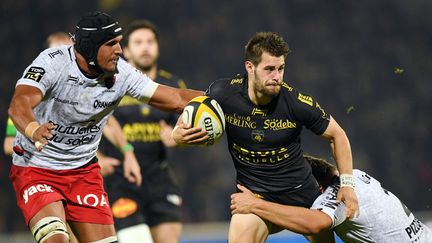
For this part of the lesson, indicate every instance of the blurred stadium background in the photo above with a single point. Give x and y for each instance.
(367, 62)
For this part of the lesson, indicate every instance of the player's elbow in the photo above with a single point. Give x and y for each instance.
(319, 225)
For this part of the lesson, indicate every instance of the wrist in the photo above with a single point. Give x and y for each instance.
(347, 180)
(127, 148)
(31, 129)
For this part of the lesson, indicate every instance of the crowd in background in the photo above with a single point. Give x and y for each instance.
(367, 62)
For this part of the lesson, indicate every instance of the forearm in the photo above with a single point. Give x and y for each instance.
(21, 113)
(21, 107)
(296, 219)
(172, 99)
(341, 149)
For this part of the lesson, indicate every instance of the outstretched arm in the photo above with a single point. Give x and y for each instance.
(342, 153)
(172, 99)
(296, 219)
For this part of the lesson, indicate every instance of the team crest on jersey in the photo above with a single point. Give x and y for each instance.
(257, 135)
(35, 73)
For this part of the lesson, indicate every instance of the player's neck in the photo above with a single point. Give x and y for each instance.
(256, 97)
(84, 67)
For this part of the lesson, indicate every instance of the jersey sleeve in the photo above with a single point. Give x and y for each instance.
(327, 204)
(309, 112)
(10, 128)
(139, 85)
(40, 74)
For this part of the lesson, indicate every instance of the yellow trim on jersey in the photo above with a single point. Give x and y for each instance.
(128, 100)
(165, 74)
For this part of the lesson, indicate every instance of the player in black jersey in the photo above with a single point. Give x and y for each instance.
(264, 117)
(157, 200)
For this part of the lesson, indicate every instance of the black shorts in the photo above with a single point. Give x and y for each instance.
(156, 201)
(303, 196)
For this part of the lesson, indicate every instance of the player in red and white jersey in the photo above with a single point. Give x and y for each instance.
(383, 217)
(59, 108)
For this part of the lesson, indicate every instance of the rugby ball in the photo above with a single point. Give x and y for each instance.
(205, 112)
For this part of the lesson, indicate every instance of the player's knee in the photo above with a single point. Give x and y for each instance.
(130, 234)
(110, 239)
(48, 227)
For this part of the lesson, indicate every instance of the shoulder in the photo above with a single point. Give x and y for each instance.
(226, 85)
(54, 58)
(167, 78)
(125, 70)
(295, 95)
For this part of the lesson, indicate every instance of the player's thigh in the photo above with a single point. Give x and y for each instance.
(89, 232)
(245, 228)
(166, 232)
(48, 224)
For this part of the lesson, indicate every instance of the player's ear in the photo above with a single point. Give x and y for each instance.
(249, 67)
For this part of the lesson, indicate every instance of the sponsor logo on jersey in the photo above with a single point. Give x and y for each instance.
(142, 131)
(258, 112)
(35, 189)
(35, 73)
(240, 121)
(124, 207)
(74, 81)
(236, 81)
(414, 229)
(279, 124)
(257, 135)
(104, 104)
(88, 134)
(324, 114)
(53, 54)
(305, 99)
(260, 157)
(63, 101)
(92, 200)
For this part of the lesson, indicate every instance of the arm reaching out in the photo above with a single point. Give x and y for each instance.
(297, 219)
(342, 153)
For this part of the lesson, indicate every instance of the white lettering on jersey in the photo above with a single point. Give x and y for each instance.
(92, 200)
(34, 189)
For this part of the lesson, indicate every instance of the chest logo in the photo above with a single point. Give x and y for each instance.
(257, 136)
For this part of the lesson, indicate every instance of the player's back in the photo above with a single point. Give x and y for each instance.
(383, 217)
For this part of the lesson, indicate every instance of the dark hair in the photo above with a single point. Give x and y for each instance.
(269, 42)
(322, 170)
(140, 24)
